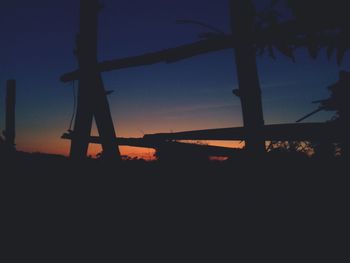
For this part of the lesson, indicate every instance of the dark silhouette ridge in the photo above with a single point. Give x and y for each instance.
(53, 205)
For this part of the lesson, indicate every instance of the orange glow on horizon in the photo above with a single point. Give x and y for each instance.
(45, 138)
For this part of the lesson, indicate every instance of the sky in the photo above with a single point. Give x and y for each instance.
(36, 48)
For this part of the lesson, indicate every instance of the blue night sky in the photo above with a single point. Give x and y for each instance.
(37, 42)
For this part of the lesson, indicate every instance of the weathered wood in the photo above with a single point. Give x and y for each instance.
(276, 132)
(134, 142)
(290, 33)
(10, 129)
(92, 99)
(245, 38)
(243, 28)
(104, 123)
(244, 31)
(157, 144)
(269, 36)
(167, 55)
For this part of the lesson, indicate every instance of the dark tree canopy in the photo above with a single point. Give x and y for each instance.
(315, 25)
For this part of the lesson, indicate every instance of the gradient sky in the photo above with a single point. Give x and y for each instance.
(37, 42)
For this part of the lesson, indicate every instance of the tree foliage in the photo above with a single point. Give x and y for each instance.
(314, 25)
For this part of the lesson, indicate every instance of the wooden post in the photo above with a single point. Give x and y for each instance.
(92, 100)
(10, 129)
(243, 27)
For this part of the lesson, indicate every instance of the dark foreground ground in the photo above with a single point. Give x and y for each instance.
(277, 209)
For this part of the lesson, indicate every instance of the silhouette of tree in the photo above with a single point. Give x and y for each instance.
(338, 102)
(314, 25)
